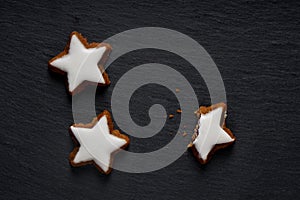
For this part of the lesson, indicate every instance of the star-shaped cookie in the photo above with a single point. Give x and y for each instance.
(211, 134)
(97, 142)
(82, 62)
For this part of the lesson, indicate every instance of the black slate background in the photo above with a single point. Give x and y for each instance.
(255, 45)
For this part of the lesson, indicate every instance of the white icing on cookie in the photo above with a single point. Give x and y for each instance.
(210, 132)
(96, 144)
(81, 63)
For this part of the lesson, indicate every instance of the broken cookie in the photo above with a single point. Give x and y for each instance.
(211, 133)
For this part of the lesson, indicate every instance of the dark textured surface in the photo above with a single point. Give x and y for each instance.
(255, 45)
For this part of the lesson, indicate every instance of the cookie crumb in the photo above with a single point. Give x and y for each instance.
(184, 134)
(197, 113)
(177, 90)
(190, 145)
(171, 116)
(179, 111)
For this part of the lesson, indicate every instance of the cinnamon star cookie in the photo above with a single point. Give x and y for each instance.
(82, 62)
(96, 142)
(211, 133)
